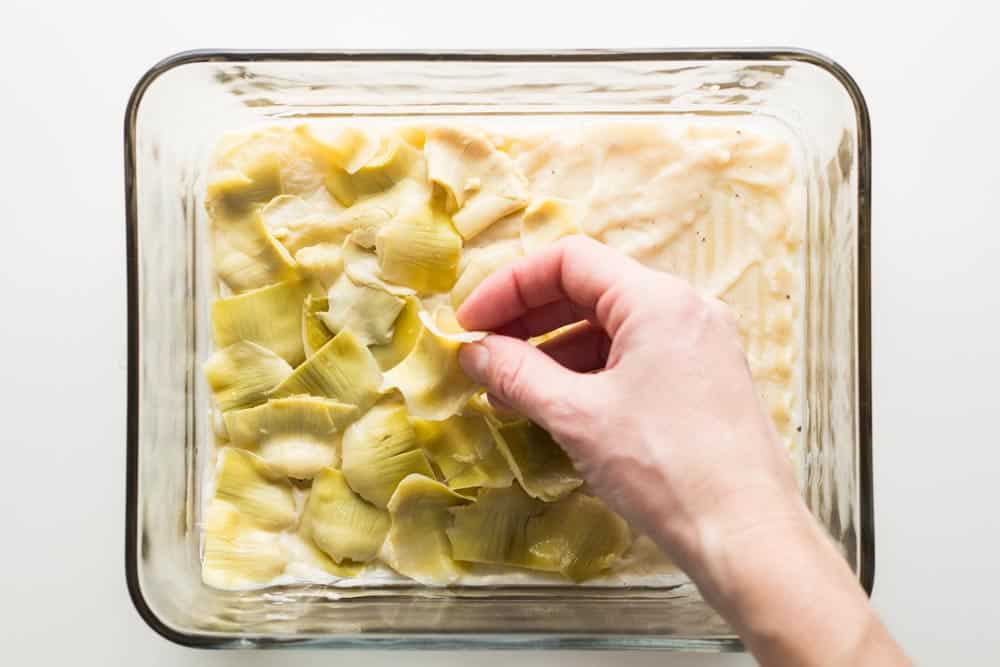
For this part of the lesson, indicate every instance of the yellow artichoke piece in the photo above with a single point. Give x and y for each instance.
(419, 249)
(418, 543)
(238, 554)
(394, 162)
(314, 333)
(269, 316)
(379, 450)
(478, 268)
(297, 436)
(241, 375)
(578, 536)
(464, 450)
(233, 194)
(547, 220)
(495, 528)
(343, 369)
(481, 181)
(370, 313)
(404, 336)
(306, 558)
(346, 148)
(246, 256)
(362, 267)
(538, 463)
(323, 262)
(260, 493)
(430, 379)
(339, 522)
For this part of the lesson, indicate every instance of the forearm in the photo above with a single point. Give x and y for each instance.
(790, 595)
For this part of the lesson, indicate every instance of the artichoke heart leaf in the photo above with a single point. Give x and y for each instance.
(243, 374)
(257, 490)
(237, 553)
(341, 523)
(379, 450)
(343, 369)
(538, 463)
(268, 316)
(418, 542)
(369, 312)
(297, 436)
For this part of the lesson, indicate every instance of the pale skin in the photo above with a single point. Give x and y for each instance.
(651, 397)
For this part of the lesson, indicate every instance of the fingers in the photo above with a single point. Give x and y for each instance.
(577, 270)
(519, 375)
(583, 348)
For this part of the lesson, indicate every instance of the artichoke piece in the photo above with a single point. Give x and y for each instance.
(347, 148)
(379, 450)
(340, 523)
(259, 492)
(538, 463)
(404, 336)
(495, 529)
(323, 262)
(418, 544)
(235, 193)
(269, 316)
(419, 249)
(343, 369)
(464, 450)
(246, 256)
(242, 374)
(314, 333)
(578, 536)
(368, 312)
(481, 181)
(430, 379)
(297, 436)
(547, 220)
(480, 265)
(306, 557)
(238, 554)
(361, 266)
(395, 161)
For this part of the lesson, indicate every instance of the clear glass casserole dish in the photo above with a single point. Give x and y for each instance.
(183, 104)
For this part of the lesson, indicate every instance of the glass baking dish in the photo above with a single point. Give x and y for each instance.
(183, 104)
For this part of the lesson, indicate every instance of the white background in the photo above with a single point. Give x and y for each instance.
(931, 80)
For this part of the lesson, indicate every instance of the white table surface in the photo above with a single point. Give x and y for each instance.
(931, 80)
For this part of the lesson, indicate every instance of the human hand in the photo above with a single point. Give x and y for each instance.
(668, 431)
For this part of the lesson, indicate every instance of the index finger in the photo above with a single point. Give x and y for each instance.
(576, 269)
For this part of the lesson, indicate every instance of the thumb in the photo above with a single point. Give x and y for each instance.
(520, 375)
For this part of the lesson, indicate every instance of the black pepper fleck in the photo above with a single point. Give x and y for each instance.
(799, 429)
(788, 296)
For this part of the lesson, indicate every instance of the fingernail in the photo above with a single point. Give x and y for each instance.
(474, 358)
